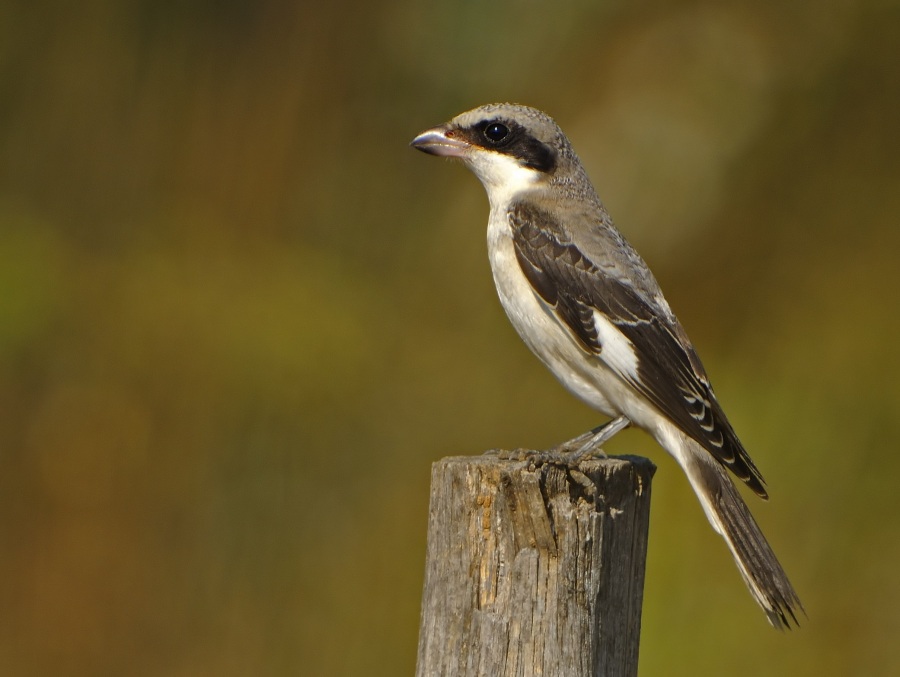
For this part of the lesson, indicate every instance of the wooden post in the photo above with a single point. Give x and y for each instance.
(534, 570)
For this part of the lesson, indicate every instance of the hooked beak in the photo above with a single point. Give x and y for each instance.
(440, 141)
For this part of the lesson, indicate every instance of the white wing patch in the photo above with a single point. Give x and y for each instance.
(617, 350)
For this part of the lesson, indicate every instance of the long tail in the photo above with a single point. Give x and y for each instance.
(731, 517)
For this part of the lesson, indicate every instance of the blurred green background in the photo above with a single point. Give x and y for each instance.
(239, 317)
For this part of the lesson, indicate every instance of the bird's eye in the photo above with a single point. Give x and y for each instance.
(496, 132)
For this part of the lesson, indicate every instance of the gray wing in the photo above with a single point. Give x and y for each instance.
(669, 373)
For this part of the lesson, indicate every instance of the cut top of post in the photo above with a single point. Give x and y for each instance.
(534, 569)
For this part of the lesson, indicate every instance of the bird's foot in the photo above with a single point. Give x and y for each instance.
(572, 452)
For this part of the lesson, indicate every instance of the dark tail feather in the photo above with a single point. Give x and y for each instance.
(730, 516)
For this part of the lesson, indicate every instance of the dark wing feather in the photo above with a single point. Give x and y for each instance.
(669, 372)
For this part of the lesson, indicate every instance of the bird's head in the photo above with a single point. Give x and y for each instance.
(510, 148)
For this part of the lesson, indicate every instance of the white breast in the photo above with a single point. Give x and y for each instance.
(536, 322)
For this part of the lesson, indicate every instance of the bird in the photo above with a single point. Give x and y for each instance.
(586, 304)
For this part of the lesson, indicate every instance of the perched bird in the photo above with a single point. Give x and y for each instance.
(588, 306)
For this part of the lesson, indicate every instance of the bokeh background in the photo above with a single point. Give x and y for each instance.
(239, 317)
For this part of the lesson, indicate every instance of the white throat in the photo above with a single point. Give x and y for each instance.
(504, 178)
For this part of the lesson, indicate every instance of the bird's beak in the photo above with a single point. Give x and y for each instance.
(441, 141)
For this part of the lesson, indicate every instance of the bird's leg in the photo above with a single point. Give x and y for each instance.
(574, 450)
(576, 443)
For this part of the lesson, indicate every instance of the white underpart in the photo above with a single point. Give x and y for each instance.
(598, 381)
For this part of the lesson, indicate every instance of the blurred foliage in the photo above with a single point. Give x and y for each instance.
(239, 317)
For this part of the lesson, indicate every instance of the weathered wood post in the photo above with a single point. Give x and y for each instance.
(534, 570)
